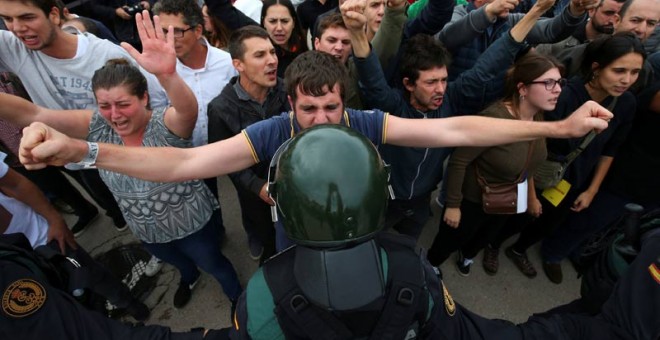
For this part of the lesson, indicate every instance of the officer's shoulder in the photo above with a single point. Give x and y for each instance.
(16, 283)
(261, 321)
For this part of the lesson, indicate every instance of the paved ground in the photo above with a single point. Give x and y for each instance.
(508, 295)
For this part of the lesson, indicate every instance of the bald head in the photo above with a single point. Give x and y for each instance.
(639, 17)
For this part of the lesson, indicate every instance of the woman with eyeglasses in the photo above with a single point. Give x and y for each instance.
(280, 20)
(610, 66)
(533, 85)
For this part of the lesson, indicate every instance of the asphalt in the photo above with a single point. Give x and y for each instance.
(508, 295)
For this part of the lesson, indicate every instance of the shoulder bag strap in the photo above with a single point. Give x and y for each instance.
(573, 155)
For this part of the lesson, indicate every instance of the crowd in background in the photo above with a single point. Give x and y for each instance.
(508, 59)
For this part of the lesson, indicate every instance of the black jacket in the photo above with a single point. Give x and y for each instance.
(229, 114)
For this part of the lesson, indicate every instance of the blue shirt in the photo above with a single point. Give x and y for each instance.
(266, 136)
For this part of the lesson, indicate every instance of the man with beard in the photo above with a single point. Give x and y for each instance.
(637, 16)
(601, 21)
(427, 94)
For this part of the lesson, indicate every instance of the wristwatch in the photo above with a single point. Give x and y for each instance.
(90, 158)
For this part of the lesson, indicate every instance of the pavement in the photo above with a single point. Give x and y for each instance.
(508, 295)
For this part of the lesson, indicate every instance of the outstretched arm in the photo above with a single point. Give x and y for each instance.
(484, 131)
(550, 30)
(21, 112)
(387, 40)
(42, 145)
(159, 58)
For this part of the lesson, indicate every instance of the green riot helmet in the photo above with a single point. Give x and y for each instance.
(330, 187)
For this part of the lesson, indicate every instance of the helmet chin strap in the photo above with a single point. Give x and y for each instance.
(327, 279)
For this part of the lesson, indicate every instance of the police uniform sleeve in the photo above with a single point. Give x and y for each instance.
(635, 303)
(32, 309)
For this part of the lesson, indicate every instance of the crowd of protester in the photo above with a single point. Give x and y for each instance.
(508, 59)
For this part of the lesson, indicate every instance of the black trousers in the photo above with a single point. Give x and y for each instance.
(533, 230)
(474, 231)
(408, 217)
(257, 220)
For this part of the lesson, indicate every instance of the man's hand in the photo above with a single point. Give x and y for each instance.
(578, 7)
(543, 5)
(590, 116)
(353, 13)
(57, 230)
(263, 194)
(453, 217)
(42, 145)
(158, 55)
(120, 12)
(500, 8)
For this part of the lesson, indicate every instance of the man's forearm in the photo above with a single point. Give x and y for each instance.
(169, 164)
(485, 131)
(463, 30)
(22, 189)
(151, 164)
(493, 131)
(551, 30)
(360, 43)
(17, 110)
(524, 26)
(387, 40)
(375, 90)
(181, 96)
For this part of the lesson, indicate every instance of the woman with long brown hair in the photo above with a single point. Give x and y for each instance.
(280, 20)
(610, 67)
(215, 31)
(533, 86)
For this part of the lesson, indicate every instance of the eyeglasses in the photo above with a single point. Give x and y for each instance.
(178, 32)
(550, 83)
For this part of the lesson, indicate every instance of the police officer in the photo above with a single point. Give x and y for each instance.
(34, 305)
(346, 279)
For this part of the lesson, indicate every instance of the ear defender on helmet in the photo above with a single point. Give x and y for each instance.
(330, 187)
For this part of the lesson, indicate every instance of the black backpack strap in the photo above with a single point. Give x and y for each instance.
(406, 303)
(297, 317)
